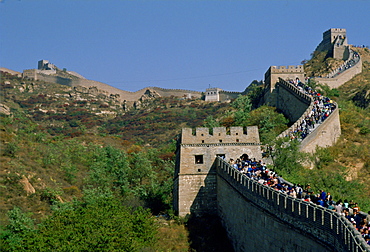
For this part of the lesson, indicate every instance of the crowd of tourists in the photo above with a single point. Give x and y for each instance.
(321, 110)
(346, 65)
(258, 171)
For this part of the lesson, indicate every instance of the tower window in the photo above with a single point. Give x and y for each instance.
(199, 159)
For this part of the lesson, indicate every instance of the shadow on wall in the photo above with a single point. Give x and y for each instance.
(205, 202)
(206, 233)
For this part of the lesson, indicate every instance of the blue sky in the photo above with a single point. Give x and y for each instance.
(172, 44)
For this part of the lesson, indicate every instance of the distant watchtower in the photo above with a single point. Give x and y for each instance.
(335, 43)
(195, 182)
(213, 94)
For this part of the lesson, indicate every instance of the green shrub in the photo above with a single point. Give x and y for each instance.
(11, 149)
(364, 130)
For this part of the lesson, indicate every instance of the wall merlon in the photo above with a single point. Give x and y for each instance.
(204, 132)
(220, 135)
(219, 131)
(285, 69)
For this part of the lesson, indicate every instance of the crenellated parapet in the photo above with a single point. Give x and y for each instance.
(273, 74)
(314, 228)
(233, 135)
(287, 69)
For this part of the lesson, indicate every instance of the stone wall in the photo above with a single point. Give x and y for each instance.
(258, 218)
(342, 78)
(195, 177)
(292, 102)
(228, 96)
(272, 76)
(122, 95)
(326, 134)
(177, 92)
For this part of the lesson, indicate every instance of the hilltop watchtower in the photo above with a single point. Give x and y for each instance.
(335, 42)
(195, 182)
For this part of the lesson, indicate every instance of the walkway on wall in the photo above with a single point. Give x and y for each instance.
(327, 226)
(318, 111)
(352, 60)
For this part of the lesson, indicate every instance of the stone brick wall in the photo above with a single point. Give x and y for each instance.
(292, 102)
(272, 76)
(326, 134)
(195, 177)
(258, 218)
(342, 78)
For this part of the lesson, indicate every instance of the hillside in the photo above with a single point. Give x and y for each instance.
(54, 139)
(64, 146)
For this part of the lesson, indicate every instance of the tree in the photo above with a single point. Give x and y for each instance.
(210, 122)
(100, 225)
(243, 106)
(19, 224)
(270, 123)
(287, 157)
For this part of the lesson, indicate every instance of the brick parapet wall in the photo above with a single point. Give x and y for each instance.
(303, 98)
(220, 135)
(342, 78)
(324, 227)
(326, 134)
(294, 104)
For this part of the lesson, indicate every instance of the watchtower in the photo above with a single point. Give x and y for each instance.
(272, 76)
(213, 94)
(195, 182)
(335, 42)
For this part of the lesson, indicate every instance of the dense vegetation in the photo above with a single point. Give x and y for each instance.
(61, 159)
(73, 178)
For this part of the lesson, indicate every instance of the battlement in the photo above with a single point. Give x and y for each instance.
(220, 135)
(273, 74)
(287, 69)
(332, 34)
(336, 30)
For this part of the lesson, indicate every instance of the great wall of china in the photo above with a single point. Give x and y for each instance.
(251, 212)
(257, 217)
